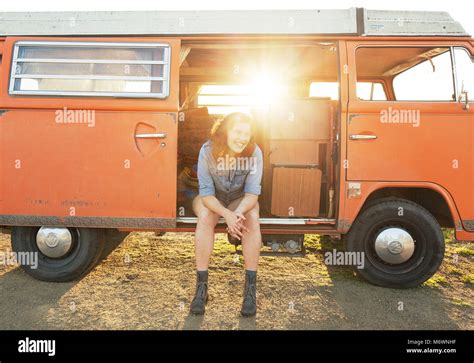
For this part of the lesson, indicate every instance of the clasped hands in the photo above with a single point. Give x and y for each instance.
(235, 223)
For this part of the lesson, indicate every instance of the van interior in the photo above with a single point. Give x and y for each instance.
(273, 82)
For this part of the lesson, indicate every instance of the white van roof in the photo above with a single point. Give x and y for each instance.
(353, 21)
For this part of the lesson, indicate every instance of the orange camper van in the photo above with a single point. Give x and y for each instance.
(365, 123)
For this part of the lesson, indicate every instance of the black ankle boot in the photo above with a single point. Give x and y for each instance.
(198, 305)
(249, 305)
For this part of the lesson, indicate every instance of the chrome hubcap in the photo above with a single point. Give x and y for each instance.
(394, 245)
(54, 242)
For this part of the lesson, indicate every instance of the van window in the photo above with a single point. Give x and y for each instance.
(418, 73)
(365, 90)
(90, 69)
(324, 89)
(464, 72)
(222, 99)
(371, 91)
(430, 80)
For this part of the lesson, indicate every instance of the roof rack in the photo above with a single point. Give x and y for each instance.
(352, 21)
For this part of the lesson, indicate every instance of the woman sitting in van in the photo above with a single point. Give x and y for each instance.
(230, 170)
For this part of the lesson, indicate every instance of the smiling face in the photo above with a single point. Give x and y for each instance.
(238, 137)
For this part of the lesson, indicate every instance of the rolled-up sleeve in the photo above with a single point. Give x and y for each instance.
(206, 184)
(254, 179)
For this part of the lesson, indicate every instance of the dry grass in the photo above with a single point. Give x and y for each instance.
(148, 283)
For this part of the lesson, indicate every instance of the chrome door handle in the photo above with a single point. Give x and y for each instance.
(150, 136)
(362, 137)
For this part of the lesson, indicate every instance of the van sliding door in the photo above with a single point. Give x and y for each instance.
(90, 133)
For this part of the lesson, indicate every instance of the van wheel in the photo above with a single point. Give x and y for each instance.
(402, 243)
(63, 254)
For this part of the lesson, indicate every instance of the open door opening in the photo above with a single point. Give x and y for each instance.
(275, 83)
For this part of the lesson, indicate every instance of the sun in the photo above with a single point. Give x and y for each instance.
(266, 89)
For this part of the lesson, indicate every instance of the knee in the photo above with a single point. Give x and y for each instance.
(207, 218)
(252, 216)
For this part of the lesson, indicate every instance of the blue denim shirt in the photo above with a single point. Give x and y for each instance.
(229, 178)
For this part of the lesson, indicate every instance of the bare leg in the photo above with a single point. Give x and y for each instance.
(252, 240)
(204, 235)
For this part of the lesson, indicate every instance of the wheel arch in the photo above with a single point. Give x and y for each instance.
(430, 196)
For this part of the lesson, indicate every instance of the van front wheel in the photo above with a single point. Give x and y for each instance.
(401, 243)
(57, 254)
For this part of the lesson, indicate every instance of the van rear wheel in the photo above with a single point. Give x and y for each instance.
(402, 243)
(62, 254)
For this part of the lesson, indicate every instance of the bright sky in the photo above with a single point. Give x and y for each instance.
(461, 10)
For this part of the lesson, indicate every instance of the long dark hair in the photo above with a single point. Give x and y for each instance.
(220, 130)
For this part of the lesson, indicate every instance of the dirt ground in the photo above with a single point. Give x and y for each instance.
(148, 283)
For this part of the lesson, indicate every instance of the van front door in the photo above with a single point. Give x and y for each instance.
(422, 133)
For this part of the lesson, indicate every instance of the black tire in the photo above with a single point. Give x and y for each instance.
(88, 244)
(418, 222)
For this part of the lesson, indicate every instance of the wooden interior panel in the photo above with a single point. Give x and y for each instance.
(300, 119)
(296, 192)
(294, 152)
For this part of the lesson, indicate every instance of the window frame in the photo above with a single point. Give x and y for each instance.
(453, 60)
(165, 79)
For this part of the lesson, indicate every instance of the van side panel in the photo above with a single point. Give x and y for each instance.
(93, 171)
(74, 171)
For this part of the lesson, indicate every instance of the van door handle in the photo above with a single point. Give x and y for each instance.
(150, 136)
(362, 137)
